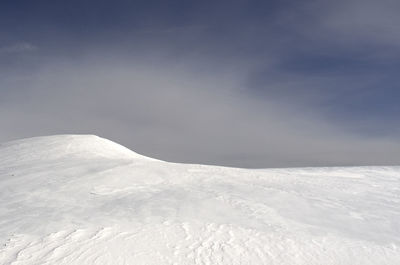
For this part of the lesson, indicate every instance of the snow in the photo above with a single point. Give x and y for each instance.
(81, 199)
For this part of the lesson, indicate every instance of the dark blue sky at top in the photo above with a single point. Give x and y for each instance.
(340, 59)
(83, 22)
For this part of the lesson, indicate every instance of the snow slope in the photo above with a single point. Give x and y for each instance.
(73, 199)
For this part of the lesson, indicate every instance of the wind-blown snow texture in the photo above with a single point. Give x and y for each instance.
(86, 200)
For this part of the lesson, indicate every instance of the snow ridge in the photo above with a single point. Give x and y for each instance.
(60, 146)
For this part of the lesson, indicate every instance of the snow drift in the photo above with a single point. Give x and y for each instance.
(73, 199)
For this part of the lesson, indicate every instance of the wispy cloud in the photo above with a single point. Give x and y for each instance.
(18, 48)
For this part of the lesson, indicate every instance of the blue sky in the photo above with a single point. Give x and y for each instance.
(242, 83)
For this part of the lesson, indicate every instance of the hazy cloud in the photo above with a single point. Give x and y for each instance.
(172, 112)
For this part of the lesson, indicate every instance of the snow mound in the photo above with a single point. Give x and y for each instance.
(81, 199)
(62, 146)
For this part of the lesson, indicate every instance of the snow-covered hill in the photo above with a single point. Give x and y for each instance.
(85, 200)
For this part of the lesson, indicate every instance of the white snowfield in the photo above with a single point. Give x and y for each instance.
(73, 199)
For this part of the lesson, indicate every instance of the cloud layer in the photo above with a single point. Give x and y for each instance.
(171, 111)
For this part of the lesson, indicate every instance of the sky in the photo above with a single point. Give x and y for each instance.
(235, 83)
